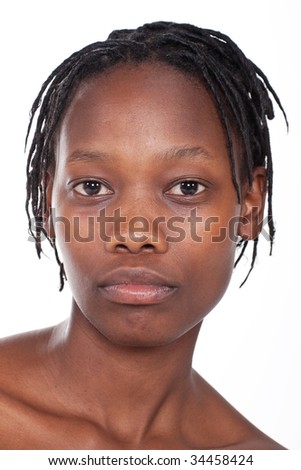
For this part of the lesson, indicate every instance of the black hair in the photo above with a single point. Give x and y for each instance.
(240, 90)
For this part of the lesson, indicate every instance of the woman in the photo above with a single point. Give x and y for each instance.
(149, 165)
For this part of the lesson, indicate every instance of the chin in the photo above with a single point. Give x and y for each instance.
(140, 334)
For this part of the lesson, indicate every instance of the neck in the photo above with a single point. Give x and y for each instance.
(128, 390)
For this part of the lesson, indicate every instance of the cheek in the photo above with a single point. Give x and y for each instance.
(208, 271)
(78, 242)
(208, 254)
(213, 230)
(211, 261)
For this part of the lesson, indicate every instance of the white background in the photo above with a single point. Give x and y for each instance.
(249, 347)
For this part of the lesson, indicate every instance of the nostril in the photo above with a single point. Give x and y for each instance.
(141, 244)
(121, 248)
(134, 247)
(147, 247)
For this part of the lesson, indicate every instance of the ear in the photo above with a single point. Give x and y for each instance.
(48, 224)
(252, 207)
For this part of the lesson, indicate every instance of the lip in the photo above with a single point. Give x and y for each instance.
(136, 286)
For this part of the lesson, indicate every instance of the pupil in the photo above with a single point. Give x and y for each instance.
(92, 187)
(189, 187)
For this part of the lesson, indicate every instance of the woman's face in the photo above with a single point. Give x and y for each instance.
(143, 198)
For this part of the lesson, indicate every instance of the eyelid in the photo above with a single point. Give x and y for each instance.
(187, 180)
(76, 184)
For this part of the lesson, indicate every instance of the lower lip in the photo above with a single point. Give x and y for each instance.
(133, 294)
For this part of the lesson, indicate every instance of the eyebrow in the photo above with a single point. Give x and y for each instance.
(88, 155)
(177, 153)
(174, 153)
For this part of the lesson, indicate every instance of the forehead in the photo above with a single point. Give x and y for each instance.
(140, 104)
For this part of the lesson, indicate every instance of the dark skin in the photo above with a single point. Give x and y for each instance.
(117, 374)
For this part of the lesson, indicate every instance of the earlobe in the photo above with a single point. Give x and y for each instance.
(252, 208)
(48, 223)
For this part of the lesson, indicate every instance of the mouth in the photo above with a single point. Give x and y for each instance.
(137, 294)
(136, 287)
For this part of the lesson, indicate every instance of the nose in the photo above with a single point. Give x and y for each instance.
(136, 234)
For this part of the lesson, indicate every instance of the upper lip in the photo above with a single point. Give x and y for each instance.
(135, 276)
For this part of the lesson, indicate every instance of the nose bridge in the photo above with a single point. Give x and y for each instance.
(137, 202)
(135, 225)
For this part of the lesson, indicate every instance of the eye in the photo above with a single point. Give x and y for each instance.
(186, 188)
(92, 188)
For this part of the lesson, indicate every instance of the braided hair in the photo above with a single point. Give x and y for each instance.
(240, 90)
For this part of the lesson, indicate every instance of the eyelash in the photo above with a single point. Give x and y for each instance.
(96, 183)
(192, 186)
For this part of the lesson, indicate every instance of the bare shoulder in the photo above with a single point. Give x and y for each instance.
(226, 427)
(252, 438)
(257, 442)
(19, 353)
(21, 383)
(20, 359)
